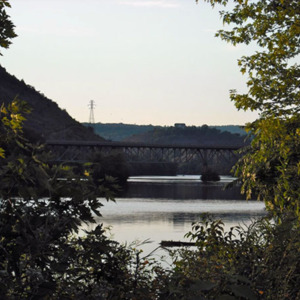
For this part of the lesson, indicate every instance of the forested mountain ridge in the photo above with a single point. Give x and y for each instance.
(119, 131)
(46, 120)
(203, 135)
(131, 132)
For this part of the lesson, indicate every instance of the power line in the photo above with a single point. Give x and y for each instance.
(92, 106)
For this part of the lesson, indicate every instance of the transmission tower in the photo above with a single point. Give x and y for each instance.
(92, 106)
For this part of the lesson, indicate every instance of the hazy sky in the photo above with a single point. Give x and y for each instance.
(141, 61)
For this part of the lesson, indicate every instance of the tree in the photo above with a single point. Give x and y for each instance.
(6, 26)
(35, 213)
(270, 166)
(274, 25)
(261, 261)
(42, 209)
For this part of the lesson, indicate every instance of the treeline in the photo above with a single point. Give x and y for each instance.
(123, 132)
(118, 131)
(190, 135)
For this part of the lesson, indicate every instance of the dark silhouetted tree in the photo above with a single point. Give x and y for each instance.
(7, 32)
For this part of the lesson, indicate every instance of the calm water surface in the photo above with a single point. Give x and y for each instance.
(163, 208)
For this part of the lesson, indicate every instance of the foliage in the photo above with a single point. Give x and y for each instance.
(44, 253)
(260, 261)
(273, 72)
(11, 123)
(270, 167)
(6, 26)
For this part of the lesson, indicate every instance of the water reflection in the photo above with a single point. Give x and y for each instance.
(164, 208)
(181, 190)
(181, 187)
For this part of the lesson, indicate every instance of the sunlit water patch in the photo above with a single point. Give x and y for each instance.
(163, 208)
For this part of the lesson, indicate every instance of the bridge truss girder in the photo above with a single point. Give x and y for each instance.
(184, 154)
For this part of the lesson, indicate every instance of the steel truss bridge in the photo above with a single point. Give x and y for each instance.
(82, 151)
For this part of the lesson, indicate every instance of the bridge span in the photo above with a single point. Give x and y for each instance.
(82, 151)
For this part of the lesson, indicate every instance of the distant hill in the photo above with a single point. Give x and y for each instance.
(191, 135)
(47, 120)
(119, 131)
(122, 132)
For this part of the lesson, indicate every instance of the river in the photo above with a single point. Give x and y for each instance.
(163, 208)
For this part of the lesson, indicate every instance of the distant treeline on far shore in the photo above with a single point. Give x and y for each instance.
(133, 132)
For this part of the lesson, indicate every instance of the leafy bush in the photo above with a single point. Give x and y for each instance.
(261, 261)
(42, 253)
